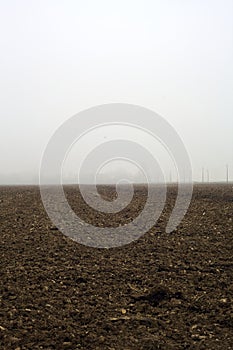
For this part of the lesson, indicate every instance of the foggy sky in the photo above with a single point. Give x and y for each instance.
(60, 57)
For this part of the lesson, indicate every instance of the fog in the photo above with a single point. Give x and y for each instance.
(61, 57)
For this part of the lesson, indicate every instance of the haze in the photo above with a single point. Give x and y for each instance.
(60, 57)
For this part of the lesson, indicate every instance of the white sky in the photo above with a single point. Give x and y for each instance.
(60, 57)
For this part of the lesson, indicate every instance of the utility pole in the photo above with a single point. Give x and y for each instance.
(208, 175)
(202, 175)
(227, 173)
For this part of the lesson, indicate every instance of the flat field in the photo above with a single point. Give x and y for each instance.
(163, 291)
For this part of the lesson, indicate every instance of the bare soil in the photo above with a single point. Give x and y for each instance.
(163, 291)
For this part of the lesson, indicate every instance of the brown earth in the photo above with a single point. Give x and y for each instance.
(163, 291)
